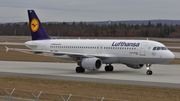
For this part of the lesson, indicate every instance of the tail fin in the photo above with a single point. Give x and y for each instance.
(37, 30)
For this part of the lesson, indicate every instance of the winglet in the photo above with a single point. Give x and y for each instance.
(7, 49)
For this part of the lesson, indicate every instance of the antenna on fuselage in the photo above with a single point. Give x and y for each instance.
(147, 38)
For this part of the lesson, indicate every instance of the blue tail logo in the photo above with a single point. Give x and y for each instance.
(37, 30)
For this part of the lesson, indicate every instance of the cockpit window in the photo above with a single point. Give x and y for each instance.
(163, 48)
(154, 48)
(159, 48)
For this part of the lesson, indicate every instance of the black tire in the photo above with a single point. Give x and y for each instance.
(80, 70)
(149, 72)
(106, 68)
(109, 68)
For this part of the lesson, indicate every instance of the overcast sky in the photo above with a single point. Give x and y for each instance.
(89, 10)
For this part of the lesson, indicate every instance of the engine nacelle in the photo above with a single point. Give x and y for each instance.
(92, 64)
(135, 66)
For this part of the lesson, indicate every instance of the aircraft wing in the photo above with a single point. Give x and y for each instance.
(57, 53)
(82, 55)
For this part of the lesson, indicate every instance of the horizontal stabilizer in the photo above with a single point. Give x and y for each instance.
(11, 43)
(16, 49)
(7, 49)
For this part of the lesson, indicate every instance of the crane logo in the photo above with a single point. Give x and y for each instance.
(34, 25)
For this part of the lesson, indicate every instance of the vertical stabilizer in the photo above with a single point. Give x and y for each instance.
(37, 30)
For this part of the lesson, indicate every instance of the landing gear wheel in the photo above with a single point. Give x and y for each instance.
(80, 70)
(106, 68)
(149, 72)
(109, 68)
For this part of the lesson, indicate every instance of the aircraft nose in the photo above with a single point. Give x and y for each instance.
(170, 56)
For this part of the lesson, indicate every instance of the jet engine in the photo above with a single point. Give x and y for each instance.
(92, 64)
(135, 66)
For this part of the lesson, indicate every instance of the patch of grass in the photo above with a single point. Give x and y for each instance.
(88, 89)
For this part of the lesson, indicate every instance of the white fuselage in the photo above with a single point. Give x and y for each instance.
(110, 51)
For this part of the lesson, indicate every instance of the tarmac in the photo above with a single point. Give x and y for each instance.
(163, 75)
(177, 55)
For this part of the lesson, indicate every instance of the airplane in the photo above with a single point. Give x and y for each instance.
(91, 54)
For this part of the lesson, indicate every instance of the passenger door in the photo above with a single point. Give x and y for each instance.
(143, 49)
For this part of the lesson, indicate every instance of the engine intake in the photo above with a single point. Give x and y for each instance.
(92, 64)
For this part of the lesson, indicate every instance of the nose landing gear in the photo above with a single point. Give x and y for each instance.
(149, 71)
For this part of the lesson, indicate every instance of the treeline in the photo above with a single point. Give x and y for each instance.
(90, 30)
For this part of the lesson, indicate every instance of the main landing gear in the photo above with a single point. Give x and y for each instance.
(80, 69)
(109, 68)
(149, 71)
